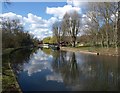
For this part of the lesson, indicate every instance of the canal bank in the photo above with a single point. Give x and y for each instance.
(93, 51)
(9, 80)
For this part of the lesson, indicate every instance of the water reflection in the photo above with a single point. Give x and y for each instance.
(20, 57)
(37, 63)
(67, 71)
(67, 66)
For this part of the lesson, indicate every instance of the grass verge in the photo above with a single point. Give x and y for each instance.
(9, 82)
(93, 50)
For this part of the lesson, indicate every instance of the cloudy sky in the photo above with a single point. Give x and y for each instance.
(38, 17)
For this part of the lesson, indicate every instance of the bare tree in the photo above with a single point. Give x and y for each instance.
(64, 27)
(103, 17)
(72, 24)
(113, 11)
(93, 24)
(106, 13)
(56, 27)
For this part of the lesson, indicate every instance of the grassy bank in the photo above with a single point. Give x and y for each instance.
(9, 82)
(93, 50)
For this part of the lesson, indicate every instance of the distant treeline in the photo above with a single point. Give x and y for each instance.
(14, 35)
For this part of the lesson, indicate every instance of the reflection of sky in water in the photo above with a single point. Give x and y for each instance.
(38, 61)
(75, 71)
(54, 77)
(79, 58)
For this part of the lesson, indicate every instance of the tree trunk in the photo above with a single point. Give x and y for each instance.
(102, 43)
(118, 28)
(102, 40)
(107, 34)
(74, 41)
(116, 37)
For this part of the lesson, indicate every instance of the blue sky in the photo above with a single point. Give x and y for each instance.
(38, 17)
(37, 8)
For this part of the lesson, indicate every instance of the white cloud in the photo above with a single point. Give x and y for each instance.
(11, 15)
(74, 2)
(114, 17)
(39, 27)
(38, 62)
(54, 77)
(85, 19)
(51, 21)
(35, 25)
(60, 11)
(34, 19)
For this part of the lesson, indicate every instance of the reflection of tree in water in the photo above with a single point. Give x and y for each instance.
(56, 63)
(19, 57)
(95, 72)
(67, 68)
(70, 71)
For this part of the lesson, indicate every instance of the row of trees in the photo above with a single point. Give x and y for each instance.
(98, 27)
(103, 23)
(13, 34)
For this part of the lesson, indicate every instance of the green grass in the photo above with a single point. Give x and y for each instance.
(90, 49)
(103, 51)
(9, 82)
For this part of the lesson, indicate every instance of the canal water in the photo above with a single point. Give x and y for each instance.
(48, 70)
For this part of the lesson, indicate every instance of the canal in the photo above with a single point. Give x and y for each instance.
(48, 70)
